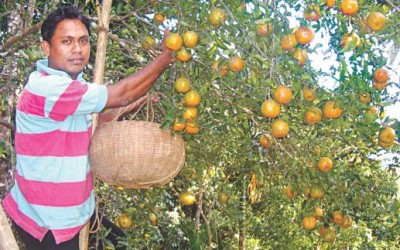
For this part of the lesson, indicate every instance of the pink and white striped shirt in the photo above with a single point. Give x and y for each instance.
(53, 181)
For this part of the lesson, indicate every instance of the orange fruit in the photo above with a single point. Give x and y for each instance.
(290, 193)
(372, 111)
(148, 43)
(236, 64)
(365, 97)
(312, 12)
(192, 98)
(190, 39)
(288, 42)
(153, 219)
(283, 95)
(387, 135)
(337, 217)
(349, 7)
(309, 223)
(279, 129)
(385, 144)
(264, 29)
(313, 115)
(217, 17)
(330, 3)
(325, 164)
(187, 198)
(159, 18)
(124, 221)
(270, 108)
(183, 55)
(222, 71)
(190, 113)
(329, 235)
(264, 142)
(174, 41)
(179, 125)
(351, 39)
(331, 111)
(192, 128)
(182, 85)
(380, 85)
(316, 192)
(319, 212)
(304, 35)
(309, 94)
(301, 56)
(376, 21)
(381, 75)
(347, 222)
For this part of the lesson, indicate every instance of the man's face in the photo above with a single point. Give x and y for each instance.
(69, 49)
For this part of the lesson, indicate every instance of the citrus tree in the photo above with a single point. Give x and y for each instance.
(279, 153)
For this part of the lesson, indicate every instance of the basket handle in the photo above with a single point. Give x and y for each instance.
(137, 105)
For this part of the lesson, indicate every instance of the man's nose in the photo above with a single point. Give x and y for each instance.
(77, 48)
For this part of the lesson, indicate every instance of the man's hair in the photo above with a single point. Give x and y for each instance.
(55, 17)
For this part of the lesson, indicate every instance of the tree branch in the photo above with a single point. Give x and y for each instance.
(391, 4)
(15, 39)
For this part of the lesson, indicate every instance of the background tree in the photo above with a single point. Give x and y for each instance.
(267, 167)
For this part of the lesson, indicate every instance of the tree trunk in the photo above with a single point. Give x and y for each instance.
(7, 239)
(104, 21)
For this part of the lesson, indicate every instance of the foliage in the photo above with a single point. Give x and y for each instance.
(225, 155)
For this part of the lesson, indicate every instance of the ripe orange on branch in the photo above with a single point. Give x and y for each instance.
(192, 98)
(289, 192)
(283, 95)
(381, 75)
(124, 221)
(264, 141)
(309, 223)
(187, 198)
(192, 128)
(376, 21)
(312, 12)
(301, 56)
(159, 18)
(365, 97)
(179, 125)
(288, 42)
(236, 64)
(279, 129)
(183, 55)
(264, 29)
(325, 164)
(309, 94)
(349, 7)
(182, 85)
(217, 17)
(387, 135)
(190, 39)
(174, 41)
(270, 108)
(313, 115)
(190, 113)
(352, 38)
(304, 35)
(331, 110)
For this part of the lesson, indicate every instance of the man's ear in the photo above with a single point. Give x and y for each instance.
(46, 48)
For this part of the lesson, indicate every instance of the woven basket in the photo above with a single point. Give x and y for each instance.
(136, 154)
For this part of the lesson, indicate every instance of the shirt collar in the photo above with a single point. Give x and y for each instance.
(43, 65)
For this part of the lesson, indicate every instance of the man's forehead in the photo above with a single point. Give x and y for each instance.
(71, 28)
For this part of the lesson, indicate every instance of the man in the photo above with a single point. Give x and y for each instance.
(53, 196)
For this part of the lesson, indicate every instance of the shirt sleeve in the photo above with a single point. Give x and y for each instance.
(65, 97)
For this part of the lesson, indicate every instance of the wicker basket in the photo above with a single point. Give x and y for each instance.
(136, 154)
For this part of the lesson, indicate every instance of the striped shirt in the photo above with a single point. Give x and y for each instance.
(53, 187)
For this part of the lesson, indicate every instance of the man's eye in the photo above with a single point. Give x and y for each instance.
(66, 41)
(84, 41)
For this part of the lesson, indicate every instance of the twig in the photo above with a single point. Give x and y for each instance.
(18, 38)
(7, 125)
(389, 2)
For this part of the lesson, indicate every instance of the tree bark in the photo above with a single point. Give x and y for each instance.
(104, 22)
(7, 239)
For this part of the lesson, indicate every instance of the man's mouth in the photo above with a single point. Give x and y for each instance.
(77, 60)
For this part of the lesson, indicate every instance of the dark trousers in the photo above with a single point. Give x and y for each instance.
(49, 243)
